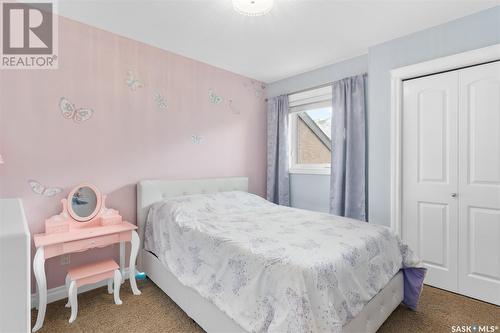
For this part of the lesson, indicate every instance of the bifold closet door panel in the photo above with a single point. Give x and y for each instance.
(479, 182)
(430, 175)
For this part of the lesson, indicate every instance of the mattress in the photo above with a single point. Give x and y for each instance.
(272, 268)
(213, 320)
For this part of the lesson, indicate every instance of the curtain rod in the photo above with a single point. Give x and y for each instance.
(312, 88)
(306, 89)
(316, 87)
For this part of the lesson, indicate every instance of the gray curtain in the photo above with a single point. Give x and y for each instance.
(348, 173)
(278, 182)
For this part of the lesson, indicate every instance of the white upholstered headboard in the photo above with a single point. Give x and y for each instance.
(151, 191)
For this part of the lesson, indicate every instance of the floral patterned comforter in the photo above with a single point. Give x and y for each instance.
(273, 268)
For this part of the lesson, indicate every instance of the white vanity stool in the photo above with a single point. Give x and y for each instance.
(92, 273)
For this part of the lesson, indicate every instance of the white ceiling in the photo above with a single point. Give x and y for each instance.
(297, 36)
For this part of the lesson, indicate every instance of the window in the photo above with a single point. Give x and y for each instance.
(310, 131)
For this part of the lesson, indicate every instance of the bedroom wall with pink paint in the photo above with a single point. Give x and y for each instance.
(129, 137)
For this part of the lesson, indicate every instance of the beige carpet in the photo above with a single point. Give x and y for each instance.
(153, 311)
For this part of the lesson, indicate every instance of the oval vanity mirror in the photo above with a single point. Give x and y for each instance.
(84, 202)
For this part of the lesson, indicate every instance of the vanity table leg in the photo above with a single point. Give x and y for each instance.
(116, 291)
(110, 286)
(39, 270)
(133, 256)
(67, 283)
(122, 260)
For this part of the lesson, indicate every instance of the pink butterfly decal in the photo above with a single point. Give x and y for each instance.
(233, 108)
(40, 189)
(258, 88)
(69, 111)
(196, 139)
(132, 82)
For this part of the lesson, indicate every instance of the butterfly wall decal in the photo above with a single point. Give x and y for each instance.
(213, 98)
(132, 82)
(69, 111)
(196, 139)
(161, 102)
(257, 87)
(43, 190)
(233, 108)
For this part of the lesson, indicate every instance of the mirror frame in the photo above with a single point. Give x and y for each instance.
(97, 209)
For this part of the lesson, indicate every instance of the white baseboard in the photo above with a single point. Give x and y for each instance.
(58, 293)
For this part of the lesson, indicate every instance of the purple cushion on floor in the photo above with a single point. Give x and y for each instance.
(413, 283)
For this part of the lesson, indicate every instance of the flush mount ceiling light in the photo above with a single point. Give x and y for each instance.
(253, 7)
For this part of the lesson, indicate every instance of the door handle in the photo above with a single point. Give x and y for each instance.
(453, 195)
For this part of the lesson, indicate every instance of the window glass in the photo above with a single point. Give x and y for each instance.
(313, 136)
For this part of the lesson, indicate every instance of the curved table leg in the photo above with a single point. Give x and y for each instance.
(133, 256)
(67, 283)
(110, 286)
(39, 270)
(116, 291)
(122, 260)
(73, 294)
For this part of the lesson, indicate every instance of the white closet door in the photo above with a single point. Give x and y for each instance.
(430, 175)
(479, 182)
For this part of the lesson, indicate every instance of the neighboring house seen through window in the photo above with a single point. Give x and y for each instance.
(310, 131)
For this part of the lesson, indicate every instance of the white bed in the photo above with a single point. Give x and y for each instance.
(204, 312)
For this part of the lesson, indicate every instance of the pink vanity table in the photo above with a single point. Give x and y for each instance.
(84, 223)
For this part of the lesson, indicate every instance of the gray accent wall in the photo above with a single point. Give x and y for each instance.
(467, 33)
(310, 192)
(318, 77)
